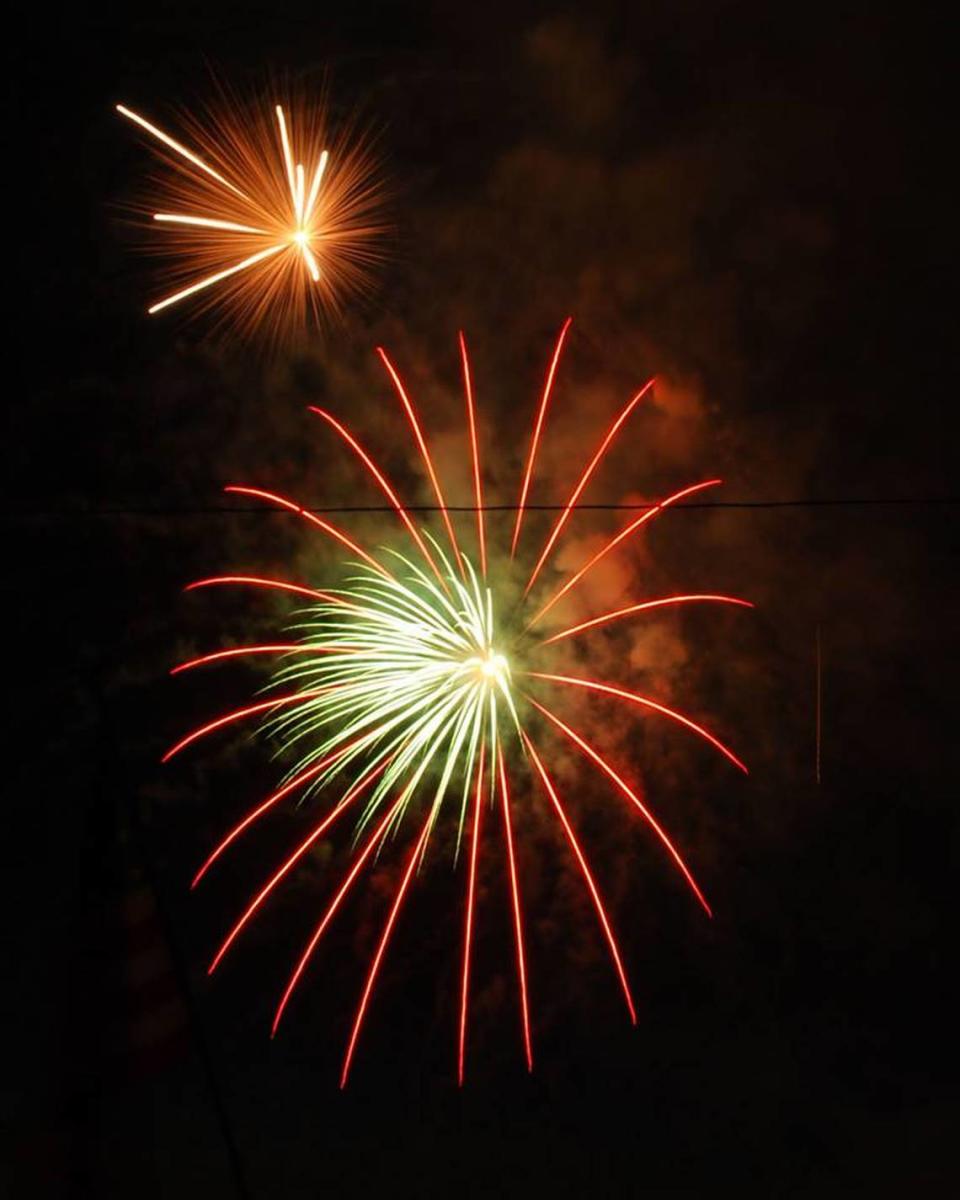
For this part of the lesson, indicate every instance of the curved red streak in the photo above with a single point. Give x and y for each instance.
(257, 581)
(584, 480)
(424, 452)
(375, 965)
(609, 690)
(281, 648)
(271, 800)
(327, 528)
(615, 541)
(545, 399)
(468, 932)
(517, 922)
(631, 795)
(384, 486)
(598, 903)
(477, 486)
(301, 850)
(237, 715)
(635, 608)
(331, 910)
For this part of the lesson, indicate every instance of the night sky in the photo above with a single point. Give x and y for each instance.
(746, 200)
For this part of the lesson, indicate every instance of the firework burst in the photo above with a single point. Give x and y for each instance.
(406, 693)
(260, 216)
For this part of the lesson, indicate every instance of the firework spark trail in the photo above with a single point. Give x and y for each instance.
(468, 932)
(588, 877)
(381, 948)
(403, 687)
(287, 250)
(205, 223)
(424, 454)
(337, 534)
(517, 919)
(167, 140)
(607, 689)
(281, 585)
(384, 486)
(292, 783)
(615, 541)
(237, 714)
(243, 651)
(349, 796)
(631, 796)
(328, 916)
(474, 452)
(665, 602)
(583, 481)
(537, 430)
(218, 277)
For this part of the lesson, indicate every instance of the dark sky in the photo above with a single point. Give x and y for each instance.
(747, 200)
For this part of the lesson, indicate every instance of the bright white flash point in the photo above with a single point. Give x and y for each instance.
(493, 665)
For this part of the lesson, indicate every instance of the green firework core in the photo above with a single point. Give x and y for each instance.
(400, 675)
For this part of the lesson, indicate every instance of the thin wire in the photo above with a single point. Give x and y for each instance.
(212, 510)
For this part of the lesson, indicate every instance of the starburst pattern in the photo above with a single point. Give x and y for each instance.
(261, 220)
(404, 693)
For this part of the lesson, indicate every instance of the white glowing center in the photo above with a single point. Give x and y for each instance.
(492, 666)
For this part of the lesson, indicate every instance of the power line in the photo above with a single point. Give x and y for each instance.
(343, 509)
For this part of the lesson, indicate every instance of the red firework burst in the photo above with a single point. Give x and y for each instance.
(403, 686)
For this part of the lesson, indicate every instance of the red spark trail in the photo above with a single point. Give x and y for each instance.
(294, 858)
(517, 922)
(635, 608)
(237, 715)
(270, 801)
(425, 454)
(615, 541)
(332, 908)
(631, 795)
(468, 932)
(584, 480)
(375, 965)
(598, 903)
(327, 528)
(258, 581)
(609, 690)
(545, 399)
(384, 487)
(475, 452)
(217, 656)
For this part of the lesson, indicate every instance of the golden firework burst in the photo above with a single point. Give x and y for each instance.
(266, 218)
